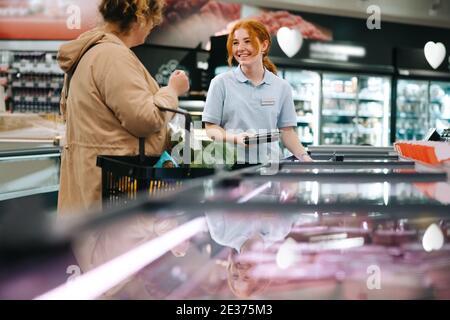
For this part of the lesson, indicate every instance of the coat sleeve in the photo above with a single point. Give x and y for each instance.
(126, 91)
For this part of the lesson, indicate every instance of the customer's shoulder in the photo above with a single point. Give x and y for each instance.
(110, 52)
(112, 48)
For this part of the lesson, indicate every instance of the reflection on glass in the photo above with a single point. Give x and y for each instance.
(249, 236)
(286, 255)
(433, 239)
(111, 258)
(278, 256)
(386, 192)
(317, 193)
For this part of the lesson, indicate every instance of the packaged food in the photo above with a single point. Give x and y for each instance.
(166, 161)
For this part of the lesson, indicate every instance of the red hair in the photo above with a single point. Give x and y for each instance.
(258, 34)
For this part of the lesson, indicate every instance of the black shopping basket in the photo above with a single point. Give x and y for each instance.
(124, 177)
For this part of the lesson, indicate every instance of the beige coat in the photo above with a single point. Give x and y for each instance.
(111, 102)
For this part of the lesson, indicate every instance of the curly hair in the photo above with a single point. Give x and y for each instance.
(125, 12)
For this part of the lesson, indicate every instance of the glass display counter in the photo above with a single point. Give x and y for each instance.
(244, 234)
(28, 168)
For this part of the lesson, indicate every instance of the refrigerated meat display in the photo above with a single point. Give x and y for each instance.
(231, 236)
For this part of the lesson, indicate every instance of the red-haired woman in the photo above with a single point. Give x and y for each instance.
(251, 98)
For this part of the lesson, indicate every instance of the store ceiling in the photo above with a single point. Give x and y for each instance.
(434, 13)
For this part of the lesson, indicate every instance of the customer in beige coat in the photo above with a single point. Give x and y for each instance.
(111, 99)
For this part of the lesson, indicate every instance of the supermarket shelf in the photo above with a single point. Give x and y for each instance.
(409, 115)
(439, 116)
(367, 115)
(401, 130)
(37, 85)
(340, 113)
(367, 130)
(296, 82)
(304, 120)
(298, 98)
(340, 96)
(39, 67)
(337, 130)
(401, 99)
(39, 99)
(371, 99)
(305, 110)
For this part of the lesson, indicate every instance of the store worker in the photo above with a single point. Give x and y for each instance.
(251, 98)
(111, 99)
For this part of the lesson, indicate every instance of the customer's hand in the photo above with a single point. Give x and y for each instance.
(179, 82)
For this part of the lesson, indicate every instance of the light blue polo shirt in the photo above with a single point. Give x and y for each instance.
(236, 105)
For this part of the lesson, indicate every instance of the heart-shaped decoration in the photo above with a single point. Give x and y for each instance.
(433, 238)
(289, 40)
(434, 53)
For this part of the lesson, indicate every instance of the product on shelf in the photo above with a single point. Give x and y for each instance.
(35, 82)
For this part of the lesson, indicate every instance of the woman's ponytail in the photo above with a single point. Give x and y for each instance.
(269, 65)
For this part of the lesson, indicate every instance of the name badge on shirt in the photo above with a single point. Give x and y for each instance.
(267, 101)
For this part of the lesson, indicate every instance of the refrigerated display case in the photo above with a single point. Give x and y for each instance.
(255, 237)
(439, 105)
(355, 109)
(412, 102)
(421, 105)
(374, 110)
(338, 112)
(423, 96)
(306, 95)
(28, 168)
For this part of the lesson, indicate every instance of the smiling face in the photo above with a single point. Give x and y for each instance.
(244, 50)
(241, 281)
